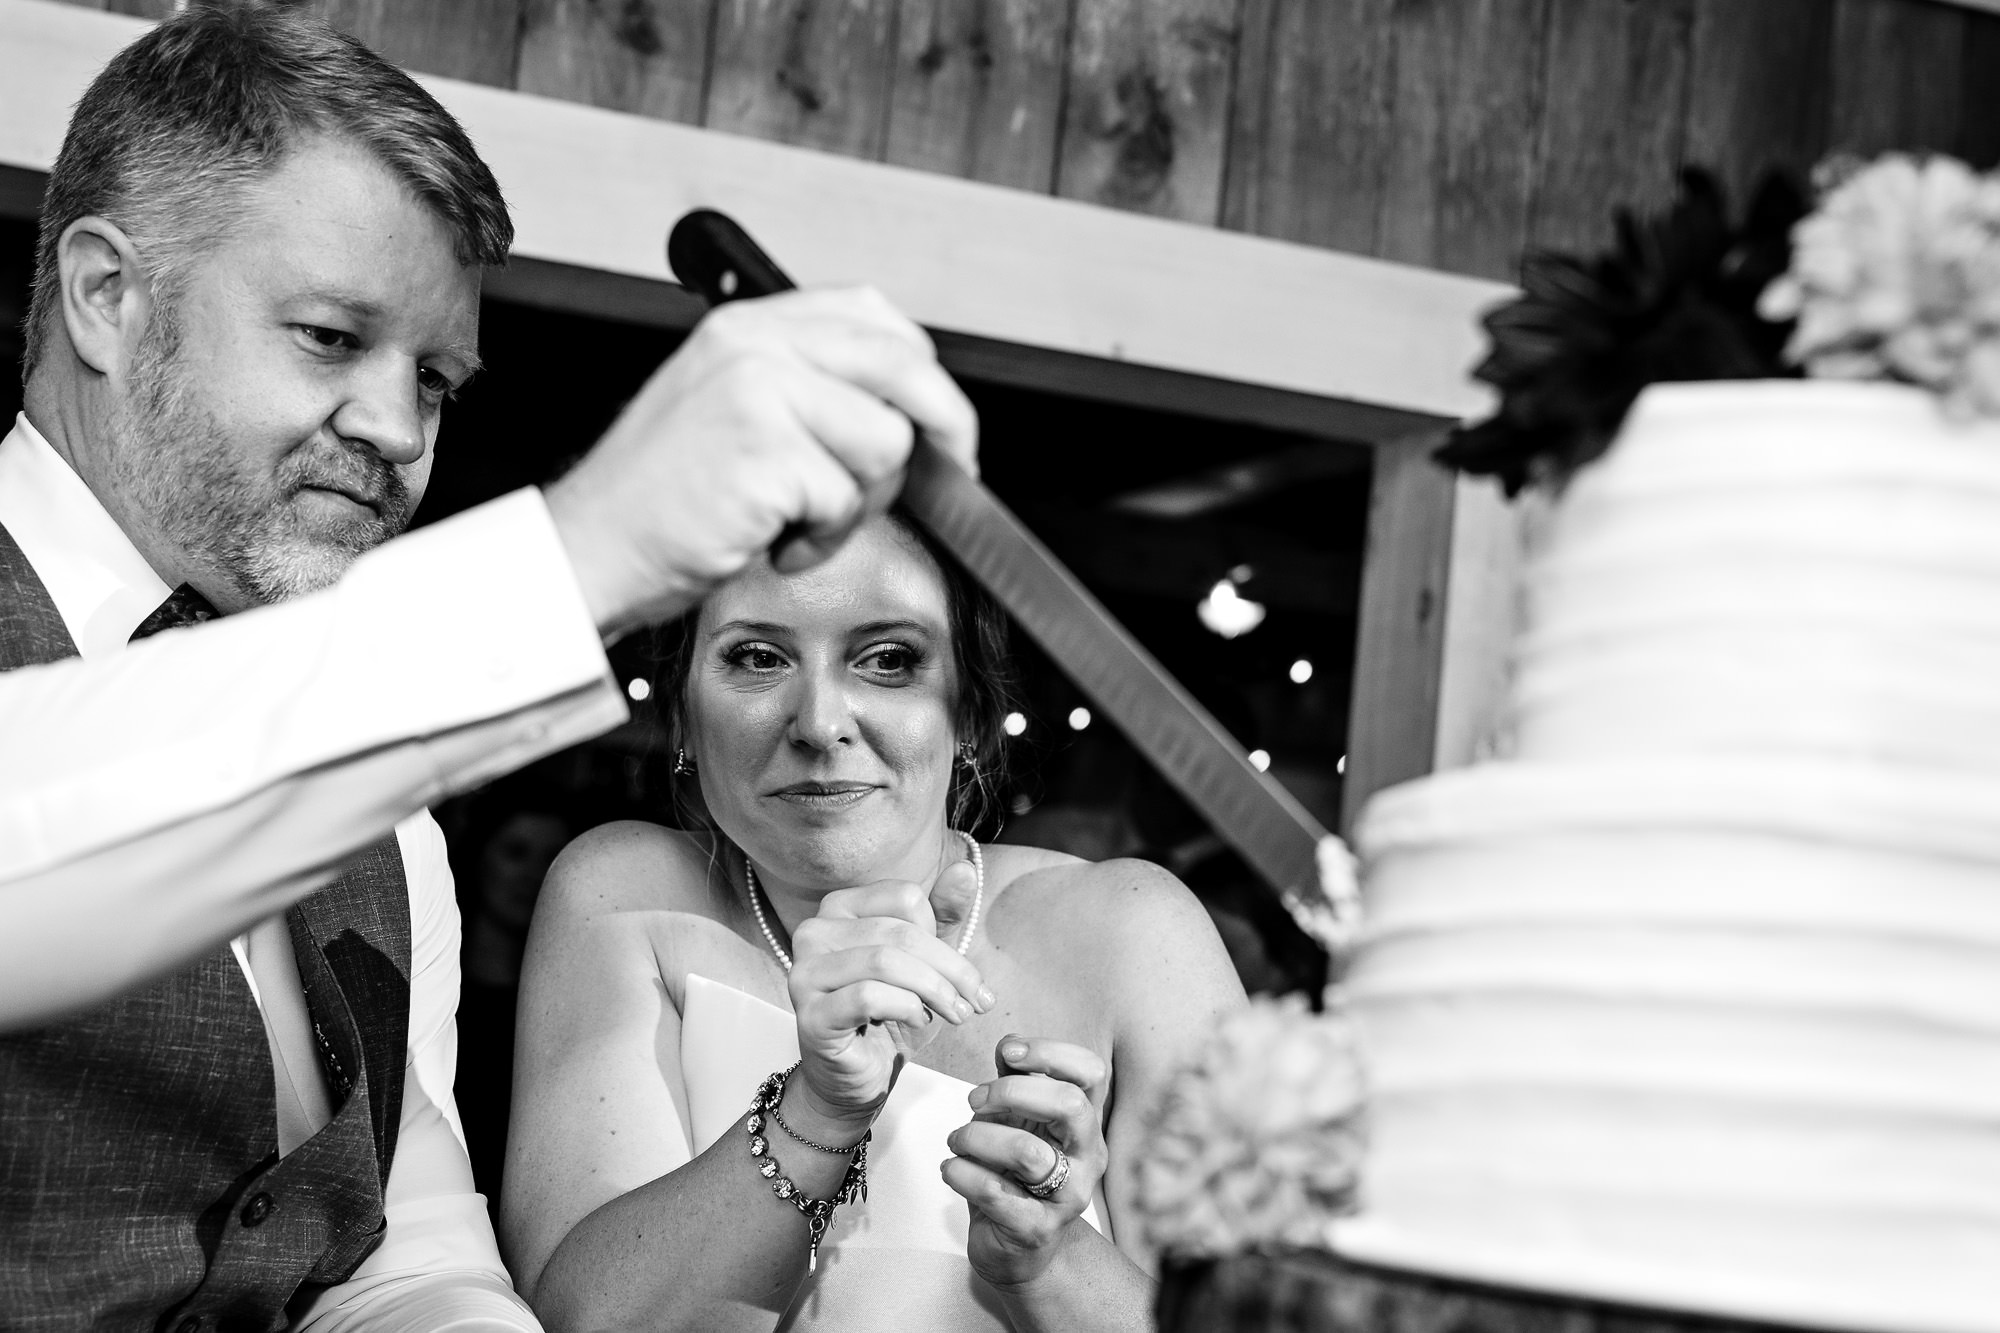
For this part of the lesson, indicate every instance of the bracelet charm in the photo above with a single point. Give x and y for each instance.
(817, 1212)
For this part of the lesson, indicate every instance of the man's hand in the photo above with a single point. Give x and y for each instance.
(792, 412)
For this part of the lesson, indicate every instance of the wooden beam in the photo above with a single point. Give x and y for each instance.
(596, 190)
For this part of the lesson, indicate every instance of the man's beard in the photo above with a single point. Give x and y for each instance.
(174, 458)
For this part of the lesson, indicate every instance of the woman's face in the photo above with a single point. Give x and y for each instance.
(819, 709)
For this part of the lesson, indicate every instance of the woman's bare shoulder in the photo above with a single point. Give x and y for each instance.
(1123, 917)
(630, 865)
(1123, 890)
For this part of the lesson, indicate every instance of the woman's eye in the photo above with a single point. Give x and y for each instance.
(892, 660)
(754, 658)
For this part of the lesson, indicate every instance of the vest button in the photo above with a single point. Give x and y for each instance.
(257, 1209)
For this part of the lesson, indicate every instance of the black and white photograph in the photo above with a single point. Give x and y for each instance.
(1000, 666)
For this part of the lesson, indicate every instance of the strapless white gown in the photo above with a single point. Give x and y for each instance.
(895, 1263)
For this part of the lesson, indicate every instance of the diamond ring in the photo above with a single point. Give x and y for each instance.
(1058, 1175)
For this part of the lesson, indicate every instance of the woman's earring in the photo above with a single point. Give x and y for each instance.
(968, 755)
(683, 766)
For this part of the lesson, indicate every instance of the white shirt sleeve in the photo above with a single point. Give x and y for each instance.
(438, 1266)
(160, 800)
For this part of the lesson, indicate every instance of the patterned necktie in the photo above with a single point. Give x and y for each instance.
(184, 606)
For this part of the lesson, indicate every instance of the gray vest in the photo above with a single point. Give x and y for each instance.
(140, 1183)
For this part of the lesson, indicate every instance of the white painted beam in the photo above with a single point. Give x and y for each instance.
(598, 189)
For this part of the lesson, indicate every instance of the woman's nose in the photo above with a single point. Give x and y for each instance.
(822, 718)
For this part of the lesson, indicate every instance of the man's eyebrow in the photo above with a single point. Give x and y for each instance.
(360, 307)
(466, 355)
(363, 309)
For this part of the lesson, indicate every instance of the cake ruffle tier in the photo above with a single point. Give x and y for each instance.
(1771, 568)
(1707, 1034)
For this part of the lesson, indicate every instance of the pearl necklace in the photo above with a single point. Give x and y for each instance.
(964, 935)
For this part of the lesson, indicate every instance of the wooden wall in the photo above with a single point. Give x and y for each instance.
(1450, 133)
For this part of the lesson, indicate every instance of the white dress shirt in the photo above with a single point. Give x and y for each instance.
(297, 735)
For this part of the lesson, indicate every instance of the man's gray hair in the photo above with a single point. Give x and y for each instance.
(211, 100)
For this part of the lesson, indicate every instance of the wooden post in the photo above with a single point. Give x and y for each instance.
(1490, 538)
(1399, 654)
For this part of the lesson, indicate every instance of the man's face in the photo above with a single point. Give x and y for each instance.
(279, 420)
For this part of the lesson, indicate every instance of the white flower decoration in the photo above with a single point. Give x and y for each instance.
(1259, 1142)
(1897, 276)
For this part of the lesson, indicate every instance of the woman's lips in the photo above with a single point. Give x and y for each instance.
(824, 795)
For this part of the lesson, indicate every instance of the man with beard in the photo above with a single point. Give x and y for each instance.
(257, 285)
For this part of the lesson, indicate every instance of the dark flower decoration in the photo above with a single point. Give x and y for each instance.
(1675, 300)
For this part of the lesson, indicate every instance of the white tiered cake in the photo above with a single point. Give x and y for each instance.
(1695, 1002)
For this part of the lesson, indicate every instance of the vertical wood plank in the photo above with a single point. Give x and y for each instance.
(1897, 71)
(1146, 119)
(1467, 102)
(1612, 116)
(978, 89)
(1392, 727)
(475, 40)
(810, 72)
(1490, 540)
(1979, 117)
(645, 56)
(1243, 175)
(1311, 140)
(1757, 90)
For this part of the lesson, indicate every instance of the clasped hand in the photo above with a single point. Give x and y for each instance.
(869, 982)
(1040, 1108)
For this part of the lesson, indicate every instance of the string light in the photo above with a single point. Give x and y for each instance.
(639, 689)
(1014, 724)
(1302, 671)
(1340, 764)
(1260, 760)
(1227, 612)
(1079, 718)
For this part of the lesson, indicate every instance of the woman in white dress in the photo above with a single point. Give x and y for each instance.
(990, 1022)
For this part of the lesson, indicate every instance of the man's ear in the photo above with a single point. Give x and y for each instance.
(106, 295)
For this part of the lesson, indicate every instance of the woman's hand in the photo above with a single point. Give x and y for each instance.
(869, 980)
(1040, 1105)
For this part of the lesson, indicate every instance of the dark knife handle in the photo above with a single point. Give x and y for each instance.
(709, 253)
